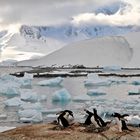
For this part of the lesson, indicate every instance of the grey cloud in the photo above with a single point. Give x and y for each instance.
(45, 12)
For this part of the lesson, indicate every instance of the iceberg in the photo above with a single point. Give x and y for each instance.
(134, 92)
(28, 76)
(35, 106)
(61, 95)
(136, 82)
(95, 92)
(51, 82)
(16, 101)
(94, 80)
(10, 91)
(133, 120)
(29, 95)
(30, 115)
(3, 116)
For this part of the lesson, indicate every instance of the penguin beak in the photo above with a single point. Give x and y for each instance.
(59, 113)
(72, 115)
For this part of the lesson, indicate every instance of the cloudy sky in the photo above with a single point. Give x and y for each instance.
(48, 12)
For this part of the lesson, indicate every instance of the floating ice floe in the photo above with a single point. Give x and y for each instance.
(134, 92)
(10, 91)
(16, 101)
(112, 68)
(95, 92)
(51, 82)
(94, 80)
(116, 81)
(5, 128)
(30, 115)
(3, 116)
(136, 82)
(35, 106)
(133, 120)
(81, 98)
(61, 95)
(19, 82)
(29, 95)
(28, 75)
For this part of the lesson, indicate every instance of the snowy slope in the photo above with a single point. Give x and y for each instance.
(100, 51)
(134, 41)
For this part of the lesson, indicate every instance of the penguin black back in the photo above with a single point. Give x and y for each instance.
(88, 119)
(99, 120)
(121, 121)
(63, 118)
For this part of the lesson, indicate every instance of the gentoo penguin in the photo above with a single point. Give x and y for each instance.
(94, 119)
(120, 120)
(63, 118)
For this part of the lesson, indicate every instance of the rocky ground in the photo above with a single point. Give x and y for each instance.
(75, 132)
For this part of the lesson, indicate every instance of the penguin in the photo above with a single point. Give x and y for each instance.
(63, 118)
(121, 121)
(94, 119)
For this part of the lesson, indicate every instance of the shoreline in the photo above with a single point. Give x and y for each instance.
(74, 132)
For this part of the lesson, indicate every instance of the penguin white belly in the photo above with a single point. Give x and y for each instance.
(119, 124)
(94, 122)
(60, 122)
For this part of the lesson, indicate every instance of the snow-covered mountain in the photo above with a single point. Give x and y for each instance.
(70, 33)
(114, 50)
(93, 52)
(33, 41)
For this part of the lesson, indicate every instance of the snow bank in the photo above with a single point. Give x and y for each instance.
(61, 95)
(51, 82)
(5, 128)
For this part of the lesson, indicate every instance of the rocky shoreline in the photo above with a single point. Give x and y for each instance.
(74, 132)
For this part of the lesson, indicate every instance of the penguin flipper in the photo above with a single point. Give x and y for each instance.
(88, 120)
(124, 126)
